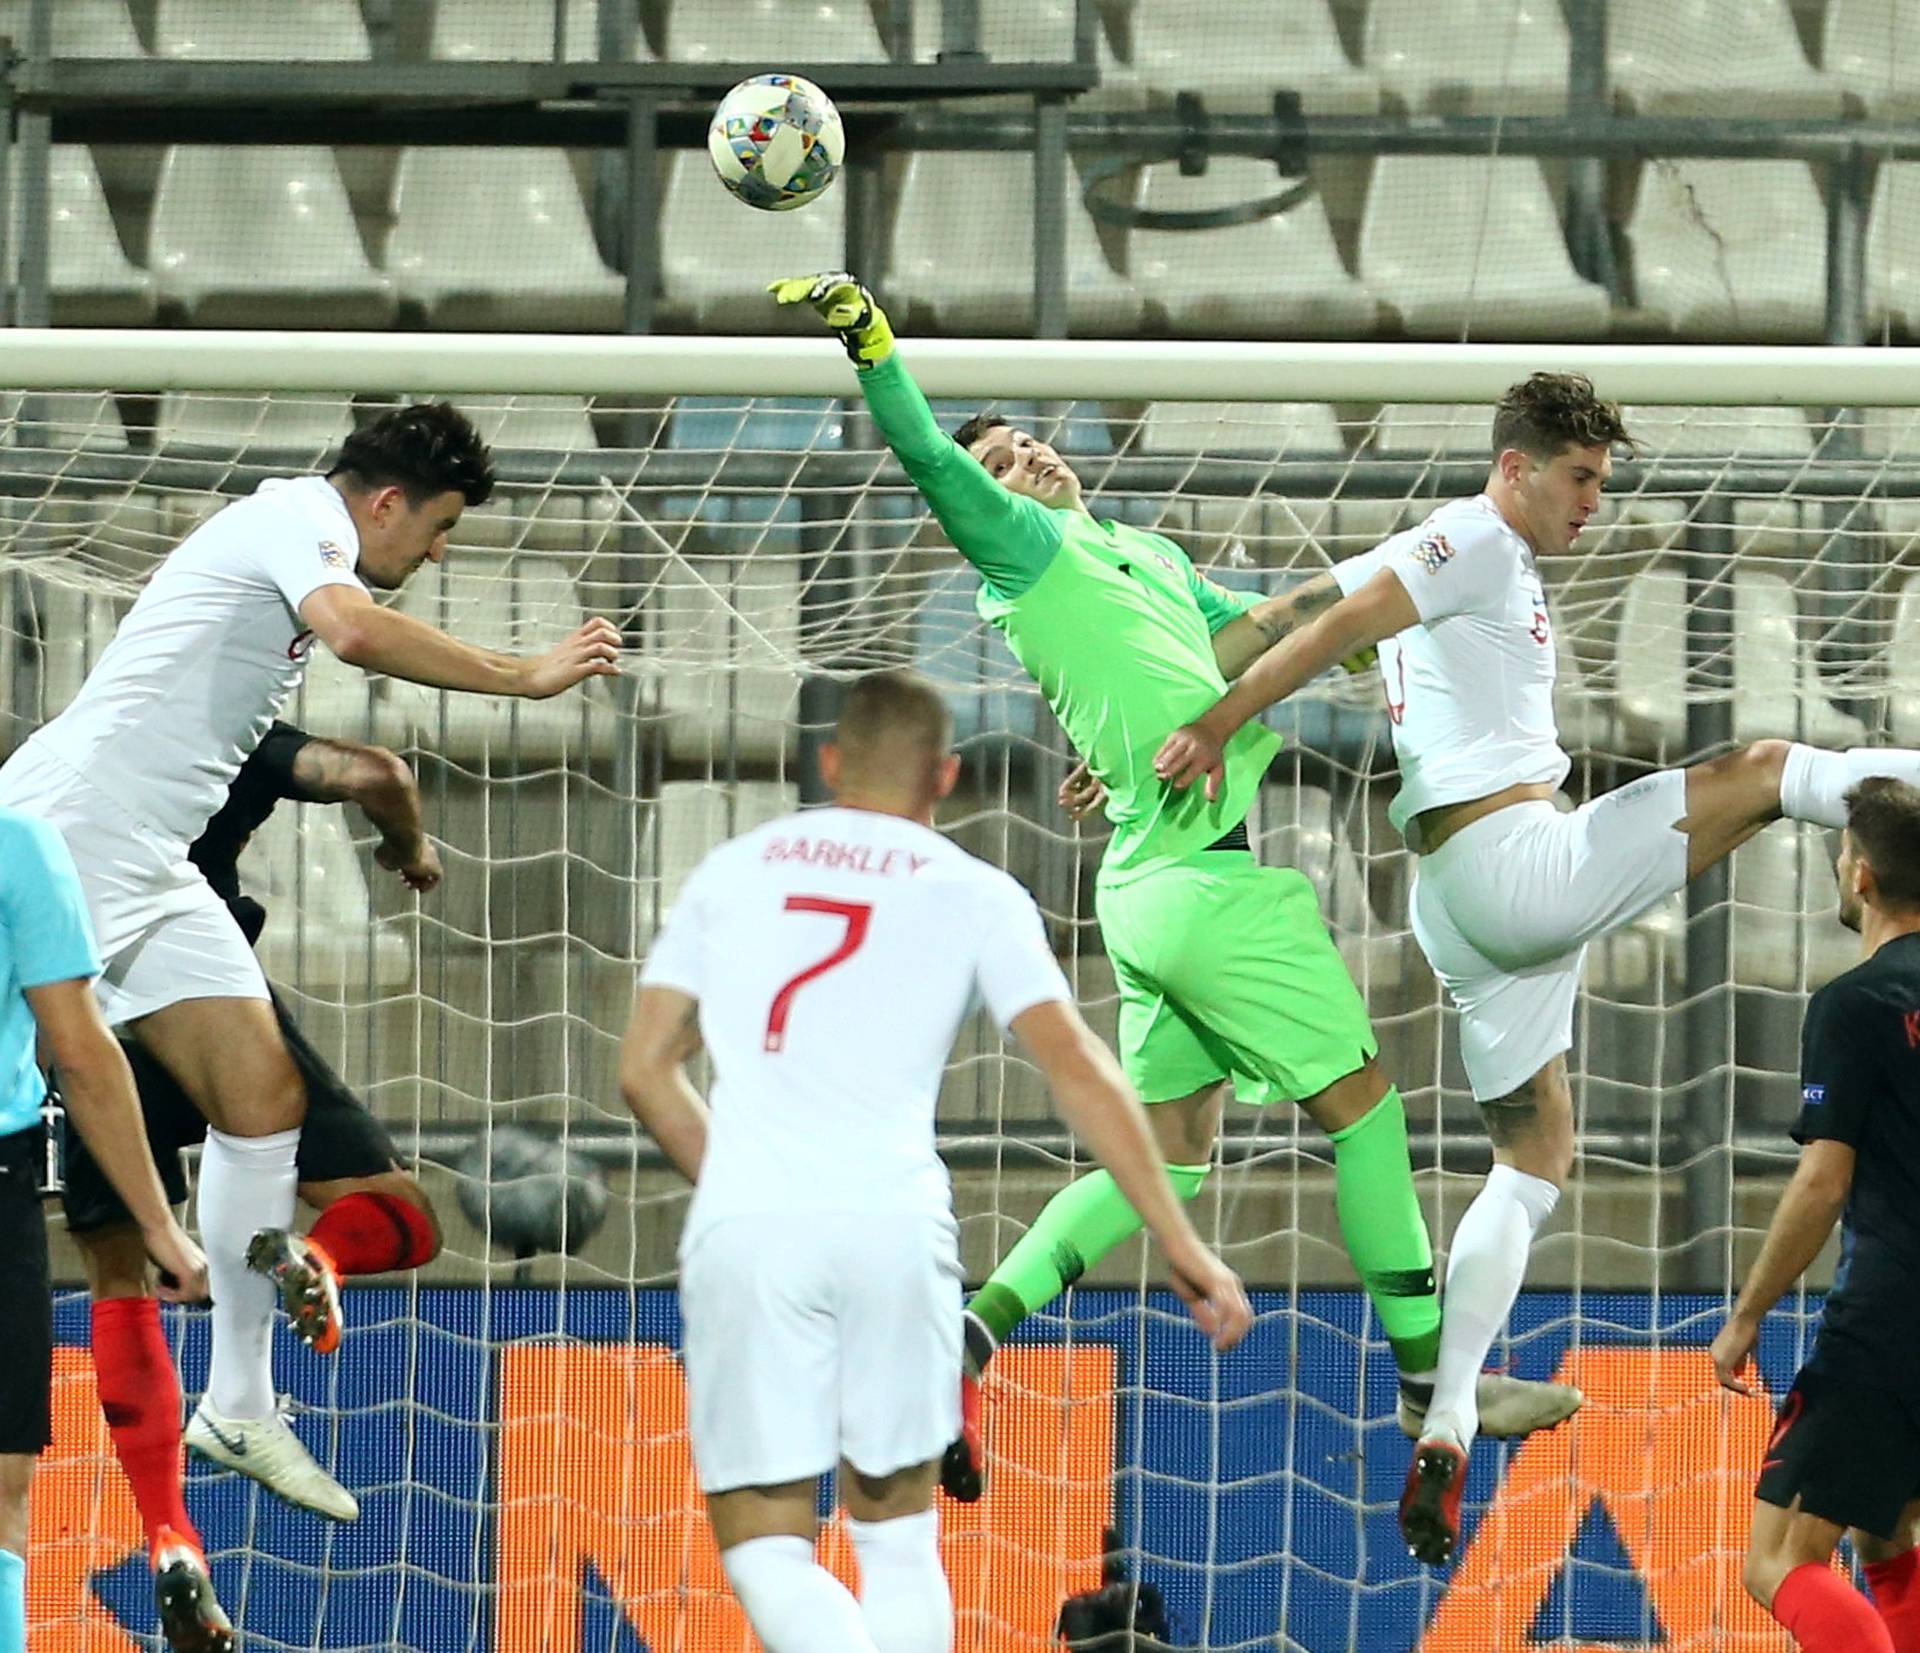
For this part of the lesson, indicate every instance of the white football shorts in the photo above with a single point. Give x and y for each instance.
(812, 1336)
(163, 935)
(1504, 910)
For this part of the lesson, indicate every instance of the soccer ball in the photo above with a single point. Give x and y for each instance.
(776, 141)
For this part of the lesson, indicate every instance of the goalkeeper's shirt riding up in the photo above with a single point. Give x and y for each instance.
(1113, 623)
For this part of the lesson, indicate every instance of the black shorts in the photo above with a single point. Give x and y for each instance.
(1847, 1448)
(26, 1298)
(340, 1138)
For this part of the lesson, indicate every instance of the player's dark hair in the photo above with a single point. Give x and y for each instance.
(426, 449)
(889, 705)
(1883, 820)
(1550, 411)
(978, 426)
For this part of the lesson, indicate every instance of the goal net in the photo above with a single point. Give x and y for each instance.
(513, 1420)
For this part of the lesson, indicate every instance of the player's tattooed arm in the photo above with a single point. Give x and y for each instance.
(662, 1035)
(1237, 645)
(382, 786)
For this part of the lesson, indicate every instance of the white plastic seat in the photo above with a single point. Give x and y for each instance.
(1244, 52)
(987, 691)
(542, 424)
(1297, 831)
(717, 254)
(484, 31)
(1031, 31)
(1279, 276)
(75, 627)
(262, 237)
(321, 931)
(773, 32)
(1872, 48)
(1903, 666)
(308, 424)
(963, 250)
(312, 30)
(1646, 949)
(63, 420)
(1494, 265)
(1650, 663)
(1776, 688)
(1581, 712)
(1470, 57)
(1893, 247)
(1786, 929)
(92, 281)
(1448, 430)
(1271, 428)
(1779, 524)
(724, 652)
(498, 239)
(689, 818)
(81, 28)
(1725, 249)
(1713, 57)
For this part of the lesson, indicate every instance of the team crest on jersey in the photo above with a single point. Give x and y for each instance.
(1432, 552)
(334, 556)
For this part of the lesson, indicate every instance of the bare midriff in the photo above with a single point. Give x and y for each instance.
(1438, 825)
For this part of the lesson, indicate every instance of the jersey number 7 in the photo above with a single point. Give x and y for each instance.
(856, 914)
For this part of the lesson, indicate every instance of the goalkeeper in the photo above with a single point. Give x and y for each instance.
(1225, 969)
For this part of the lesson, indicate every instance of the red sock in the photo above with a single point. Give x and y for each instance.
(1826, 1614)
(141, 1397)
(1896, 1592)
(371, 1233)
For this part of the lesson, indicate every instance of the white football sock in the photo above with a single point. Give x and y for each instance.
(246, 1184)
(795, 1604)
(1484, 1271)
(904, 1596)
(1814, 784)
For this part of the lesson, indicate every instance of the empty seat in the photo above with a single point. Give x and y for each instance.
(1650, 664)
(1731, 249)
(262, 237)
(773, 32)
(484, 31)
(1713, 57)
(539, 424)
(1893, 248)
(314, 29)
(1779, 524)
(717, 254)
(1786, 929)
(307, 427)
(722, 666)
(493, 239)
(64, 420)
(963, 250)
(1271, 428)
(91, 280)
(689, 818)
(1278, 276)
(763, 424)
(1246, 50)
(1297, 830)
(1581, 711)
(1903, 667)
(1494, 265)
(986, 689)
(1776, 687)
(81, 28)
(1872, 48)
(1028, 31)
(74, 626)
(321, 932)
(1438, 430)
(1470, 57)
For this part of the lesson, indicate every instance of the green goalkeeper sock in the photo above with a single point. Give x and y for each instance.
(1076, 1228)
(1385, 1233)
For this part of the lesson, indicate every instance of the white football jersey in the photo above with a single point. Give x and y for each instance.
(205, 657)
(834, 954)
(1469, 689)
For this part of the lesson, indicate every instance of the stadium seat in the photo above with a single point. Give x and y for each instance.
(1296, 829)
(689, 818)
(67, 420)
(91, 280)
(1713, 57)
(722, 663)
(1776, 686)
(1647, 949)
(309, 428)
(497, 239)
(1245, 52)
(262, 237)
(541, 424)
(484, 31)
(754, 424)
(963, 251)
(1277, 277)
(1872, 48)
(1650, 664)
(1496, 267)
(985, 687)
(772, 32)
(1581, 711)
(1274, 530)
(74, 625)
(1470, 57)
(311, 30)
(1019, 31)
(1731, 249)
(716, 253)
(321, 934)
(81, 28)
(1774, 525)
(1434, 430)
(1786, 931)
(1893, 248)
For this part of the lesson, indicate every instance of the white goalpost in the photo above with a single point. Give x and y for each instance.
(513, 1423)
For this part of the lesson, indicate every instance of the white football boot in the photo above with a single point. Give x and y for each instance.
(268, 1450)
(1509, 1406)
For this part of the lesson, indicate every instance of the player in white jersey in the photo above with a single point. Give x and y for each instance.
(1507, 890)
(133, 769)
(827, 961)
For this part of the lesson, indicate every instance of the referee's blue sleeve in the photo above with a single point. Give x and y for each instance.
(42, 905)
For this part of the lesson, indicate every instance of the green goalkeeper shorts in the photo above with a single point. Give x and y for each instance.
(1226, 970)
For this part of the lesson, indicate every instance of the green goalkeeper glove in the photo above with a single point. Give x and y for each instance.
(1362, 661)
(845, 306)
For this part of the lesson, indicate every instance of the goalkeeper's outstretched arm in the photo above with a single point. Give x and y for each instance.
(1008, 537)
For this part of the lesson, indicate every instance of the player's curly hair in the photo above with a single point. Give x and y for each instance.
(427, 448)
(978, 426)
(1550, 411)
(1883, 820)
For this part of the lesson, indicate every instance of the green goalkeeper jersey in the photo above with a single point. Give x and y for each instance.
(1112, 622)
